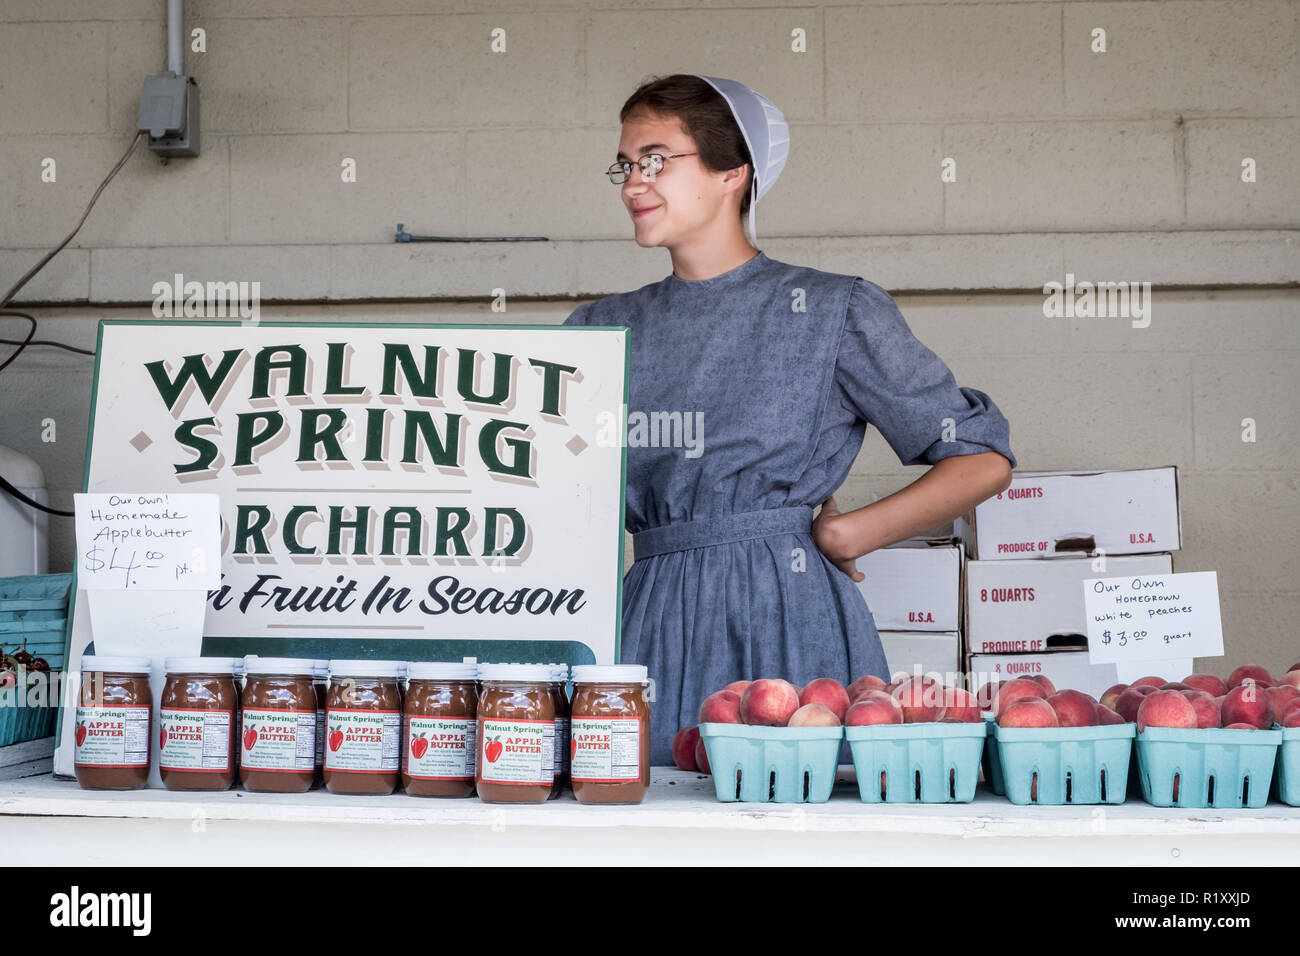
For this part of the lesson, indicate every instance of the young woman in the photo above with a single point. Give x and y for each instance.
(773, 372)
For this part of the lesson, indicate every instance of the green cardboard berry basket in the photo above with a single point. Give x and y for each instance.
(1062, 765)
(917, 763)
(1214, 767)
(1286, 781)
(772, 764)
(33, 615)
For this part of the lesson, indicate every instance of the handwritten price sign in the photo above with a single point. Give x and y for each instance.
(1150, 617)
(148, 542)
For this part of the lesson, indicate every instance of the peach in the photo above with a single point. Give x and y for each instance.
(769, 702)
(1112, 694)
(1207, 709)
(1248, 703)
(1028, 712)
(921, 699)
(1073, 709)
(702, 757)
(1174, 685)
(1165, 708)
(1129, 701)
(1212, 685)
(873, 707)
(684, 748)
(1042, 681)
(960, 705)
(1249, 671)
(722, 707)
(737, 687)
(1241, 726)
(828, 692)
(1294, 667)
(1292, 716)
(1107, 716)
(814, 715)
(863, 684)
(987, 694)
(1283, 696)
(1291, 709)
(1289, 679)
(1015, 689)
(1151, 681)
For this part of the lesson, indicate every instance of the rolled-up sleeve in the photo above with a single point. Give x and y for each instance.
(895, 383)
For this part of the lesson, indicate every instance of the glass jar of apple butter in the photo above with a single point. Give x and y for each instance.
(278, 728)
(114, 708)
(610, 726)
(439, 728)
(363, 727)
(515, 762)
(198, 730)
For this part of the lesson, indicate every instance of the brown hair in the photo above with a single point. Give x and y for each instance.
(705, 117)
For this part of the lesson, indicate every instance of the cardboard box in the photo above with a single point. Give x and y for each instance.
(1012, 607)
(914, 585)
(1071, 669)
(1056, 512)
(906, 651)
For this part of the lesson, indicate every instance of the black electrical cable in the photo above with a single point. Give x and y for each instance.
(5, 486)
(11, 490)
(48, 344)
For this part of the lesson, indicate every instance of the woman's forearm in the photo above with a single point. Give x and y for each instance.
(947, 490)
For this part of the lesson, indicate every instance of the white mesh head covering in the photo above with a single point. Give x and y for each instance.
(766, 134)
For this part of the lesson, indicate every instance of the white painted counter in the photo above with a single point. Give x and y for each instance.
(48, 821)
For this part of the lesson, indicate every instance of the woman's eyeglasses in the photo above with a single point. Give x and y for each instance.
(650, 164)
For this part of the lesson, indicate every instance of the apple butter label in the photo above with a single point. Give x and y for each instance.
(320, 737)
(606, 749)
(363, 741)
(440, 748)
(517, 751)
(561, 742)
(279, 740)
(194, 740)
(112, 736)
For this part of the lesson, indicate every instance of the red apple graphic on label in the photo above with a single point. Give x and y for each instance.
(336, 740)
(418, 746)
(493, 750)
(81, 734)
(573, 748)
(250, 738)
(162, 738)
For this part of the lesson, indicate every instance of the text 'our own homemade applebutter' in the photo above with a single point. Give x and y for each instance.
(610, 729)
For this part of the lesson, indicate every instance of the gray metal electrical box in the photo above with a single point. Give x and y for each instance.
(169, 113)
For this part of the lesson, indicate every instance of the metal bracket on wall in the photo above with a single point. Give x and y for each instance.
(404, 236)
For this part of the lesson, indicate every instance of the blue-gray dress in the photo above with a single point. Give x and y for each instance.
(750, 394)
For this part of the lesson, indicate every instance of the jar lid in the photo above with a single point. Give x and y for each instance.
(534, 673)
(440, 670)
(320, 669)
(345, 668)
(610, 674)
(292, 666)
(100, 663)
(201, 665)
(560, 672)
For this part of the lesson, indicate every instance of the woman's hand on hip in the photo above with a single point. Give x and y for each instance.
(824, 534)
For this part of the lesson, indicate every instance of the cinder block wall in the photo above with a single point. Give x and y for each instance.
(1123, 165)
